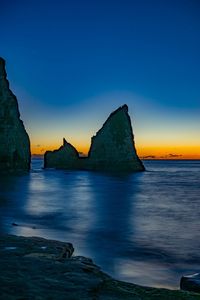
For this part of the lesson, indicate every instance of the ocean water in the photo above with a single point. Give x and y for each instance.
(142, 227)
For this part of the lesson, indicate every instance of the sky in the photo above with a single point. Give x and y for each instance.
(71, 63)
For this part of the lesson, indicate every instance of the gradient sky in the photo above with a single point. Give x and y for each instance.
(70, 63)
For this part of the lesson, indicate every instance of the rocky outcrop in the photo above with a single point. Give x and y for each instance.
(112, 148)
(66, 157)
(35, 268)
(191, 283)
(14, 140)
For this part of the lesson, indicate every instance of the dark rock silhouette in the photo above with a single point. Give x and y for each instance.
(112, 148)
(65, 157)
(36, 268)
(191, 283)
(14, 141)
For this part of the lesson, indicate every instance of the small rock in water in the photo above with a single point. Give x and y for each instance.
(15, 224)
(191, 283)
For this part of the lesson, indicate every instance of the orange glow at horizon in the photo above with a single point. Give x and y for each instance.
(144, 152)
(169, 152)
(40, 150)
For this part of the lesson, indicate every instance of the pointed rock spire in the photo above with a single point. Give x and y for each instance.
(113, 147)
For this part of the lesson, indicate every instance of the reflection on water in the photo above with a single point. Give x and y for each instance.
(143, 227)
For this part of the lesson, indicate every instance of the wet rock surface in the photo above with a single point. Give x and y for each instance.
(112, 148)
(36, 268)
(15, 144)
(191, 283)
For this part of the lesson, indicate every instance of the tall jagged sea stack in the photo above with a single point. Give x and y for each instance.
(14, 141)
(112, 148)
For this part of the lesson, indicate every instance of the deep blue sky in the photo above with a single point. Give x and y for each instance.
(71, 63)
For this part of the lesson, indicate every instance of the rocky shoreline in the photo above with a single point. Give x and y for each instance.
(36, 268)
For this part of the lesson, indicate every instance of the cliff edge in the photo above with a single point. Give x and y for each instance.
(15, 145)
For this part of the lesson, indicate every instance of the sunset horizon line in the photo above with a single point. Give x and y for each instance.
(146, 157)
(173, 152)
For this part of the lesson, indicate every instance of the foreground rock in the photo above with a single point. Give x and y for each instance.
(35, 268)
(15, 144)
(191, 283)
(112, 148)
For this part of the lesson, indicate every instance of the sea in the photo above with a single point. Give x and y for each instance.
(142, 227)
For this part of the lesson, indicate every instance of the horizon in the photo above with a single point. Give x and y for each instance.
(167, 158)
(71, 64)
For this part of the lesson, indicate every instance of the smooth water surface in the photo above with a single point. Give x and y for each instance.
(143, 228)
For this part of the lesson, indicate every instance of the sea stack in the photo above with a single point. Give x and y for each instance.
(112, 149)
(65, 157)
(15, 152)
